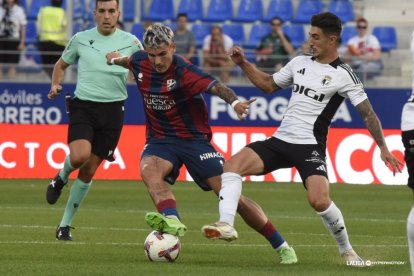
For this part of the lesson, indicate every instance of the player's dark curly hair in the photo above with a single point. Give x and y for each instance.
(328, 22)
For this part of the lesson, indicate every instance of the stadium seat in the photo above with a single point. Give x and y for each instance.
(235, 31)
(23, 4)
(31, 32)
(343, 9)
(128, 10)
(35, 7)
(138, 30)
(249, 11)
(79, 9)
(347, 33)
(193, 9)
(200, 32)
(280, 8)
(31, 61)
(296, 33)
(256, 33)
(219, 10)
(160, 10)
(387, 36)
(306, 9)
(172, 25)
(88, 13)
(77, 27)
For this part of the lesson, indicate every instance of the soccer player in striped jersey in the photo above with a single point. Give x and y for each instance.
(319, 83)
(407, 128)
(178, 133)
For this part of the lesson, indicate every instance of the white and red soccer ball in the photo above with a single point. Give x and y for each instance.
(162, 247)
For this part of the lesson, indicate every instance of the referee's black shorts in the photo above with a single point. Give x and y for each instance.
(99, 123)
(309, 159)
(408, 141)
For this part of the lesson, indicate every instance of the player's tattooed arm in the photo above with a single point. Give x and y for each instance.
(224, 92)
(374, 126)
(228, 95)
(371, 121)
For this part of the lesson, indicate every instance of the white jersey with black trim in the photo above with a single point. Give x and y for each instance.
(317, 92)
(407, 118)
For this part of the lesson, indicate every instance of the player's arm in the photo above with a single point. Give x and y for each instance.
(115, 58)
(373, 124)
(228, 95)
(259, 78)
(57, 78)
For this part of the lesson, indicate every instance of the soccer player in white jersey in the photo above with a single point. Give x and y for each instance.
(407, 128)
(319, 83)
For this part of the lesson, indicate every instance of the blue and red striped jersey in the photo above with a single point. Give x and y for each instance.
(173, 103)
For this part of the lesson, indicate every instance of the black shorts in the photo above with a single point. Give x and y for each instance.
(408, 141)
(99, 123)
(277, 154)
(9, 45)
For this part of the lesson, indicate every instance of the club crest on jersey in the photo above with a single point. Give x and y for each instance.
(326, 80)
(170, 84)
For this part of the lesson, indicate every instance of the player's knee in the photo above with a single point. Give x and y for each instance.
(320, 204)
(149, 175)
(231, 166)
(77, 159)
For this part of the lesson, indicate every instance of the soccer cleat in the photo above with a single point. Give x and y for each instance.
(163, 224)
(220, 230)
(63, 233)
(54, 189)
(287, 255)
(352, 259)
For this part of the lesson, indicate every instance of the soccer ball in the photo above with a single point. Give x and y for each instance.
(162, 247)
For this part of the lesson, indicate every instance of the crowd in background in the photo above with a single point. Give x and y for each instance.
(362, 52)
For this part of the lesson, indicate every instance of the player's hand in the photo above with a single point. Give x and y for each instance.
(112, 55)
(237, 55)
(242, 109)
(391, 161)
(54, 91)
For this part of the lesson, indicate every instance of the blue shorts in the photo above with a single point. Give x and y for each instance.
(200, 158)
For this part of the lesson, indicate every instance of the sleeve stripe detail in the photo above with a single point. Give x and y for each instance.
(350, 72)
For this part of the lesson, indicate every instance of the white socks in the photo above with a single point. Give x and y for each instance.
(410, 235)
(334, 222)
(231, 187)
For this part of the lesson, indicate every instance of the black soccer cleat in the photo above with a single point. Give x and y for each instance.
(63, 233)
(54, 189)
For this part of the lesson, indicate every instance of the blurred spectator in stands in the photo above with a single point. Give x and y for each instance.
(52, 29)
(274, 49)
(12, 35)
(215, 48)
(184, 39)
(304, 49)
(364, 52)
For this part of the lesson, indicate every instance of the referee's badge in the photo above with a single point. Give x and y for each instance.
(326, 80)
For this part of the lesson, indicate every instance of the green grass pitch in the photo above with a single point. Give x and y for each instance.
(110, 231)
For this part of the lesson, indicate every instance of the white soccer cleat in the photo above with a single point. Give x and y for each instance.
(351, 258)
(220, 230)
